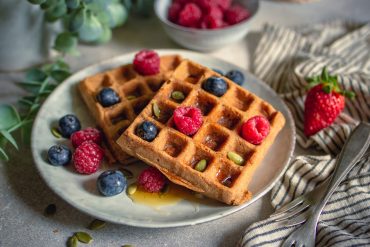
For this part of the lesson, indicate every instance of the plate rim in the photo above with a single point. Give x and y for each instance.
(131, 222)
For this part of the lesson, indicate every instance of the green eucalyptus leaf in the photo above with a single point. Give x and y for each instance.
(55, 12)
(73, 4)
(118, 14)
(3, 155)
(66, 43)
(60, 75)
(60, 64)
(8, 117)
(25, 102)
(9, 137)
(91, 30)
(35, 75)
(36, 1)
(105, 37)
(32, 87)
(77, 20)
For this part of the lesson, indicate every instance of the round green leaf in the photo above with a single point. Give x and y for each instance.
(49, 3)
(55, 12)
(105, 37)
(91, 30)
(66, 43)
(77, 20)
(118, 14)
(8, 117)
(73, 4)
(36, 1)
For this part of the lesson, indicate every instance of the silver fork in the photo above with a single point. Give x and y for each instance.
(352, 151)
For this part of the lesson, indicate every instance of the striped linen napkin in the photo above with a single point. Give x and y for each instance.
(283, 58)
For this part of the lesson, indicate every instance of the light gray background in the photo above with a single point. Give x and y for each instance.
(23, 194)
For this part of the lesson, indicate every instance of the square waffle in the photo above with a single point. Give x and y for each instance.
(176, 154)
(135, 92)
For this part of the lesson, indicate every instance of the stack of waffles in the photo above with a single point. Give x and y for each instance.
(172, 152)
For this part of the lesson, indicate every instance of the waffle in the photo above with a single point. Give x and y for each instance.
(134, 90)
(176, 154)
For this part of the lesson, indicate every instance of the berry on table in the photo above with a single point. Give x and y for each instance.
(88, 134)
(215, 85)
(236, 76)
(88, 157)
(188, 120)
(147, 131)
(111, 183)
(69, 124)
(59, 155)
(255, 129)
(147, 62)
(324, 102)
(108, 97)
(151, 180)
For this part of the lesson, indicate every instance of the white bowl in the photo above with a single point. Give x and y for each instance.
(205, 39)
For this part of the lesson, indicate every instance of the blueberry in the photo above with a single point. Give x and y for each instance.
(218, 71)
(111, 183)
(215, 85)
(236, 76)
(107, 97)
(68, 125)
(59, 155)
(147, 131)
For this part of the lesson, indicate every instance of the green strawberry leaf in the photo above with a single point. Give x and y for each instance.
(325, 75)
(327, 88)
(349, 94)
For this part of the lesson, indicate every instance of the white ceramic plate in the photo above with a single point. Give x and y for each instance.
(80, 190)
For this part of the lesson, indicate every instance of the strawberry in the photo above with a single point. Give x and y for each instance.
(324, 102)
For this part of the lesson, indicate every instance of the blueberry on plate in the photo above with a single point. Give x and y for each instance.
(236, 76)
(215, 85)
(68, 125)
(111, 183)
(218, 71)
(59, 155)
(107, 97)
(147, 131)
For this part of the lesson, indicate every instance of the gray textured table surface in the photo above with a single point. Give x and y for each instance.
(24, 195)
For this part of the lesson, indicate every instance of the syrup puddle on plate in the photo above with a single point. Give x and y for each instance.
(172, 196)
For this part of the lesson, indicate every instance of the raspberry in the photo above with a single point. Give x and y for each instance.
(173, 11)
(210, 22)
(188, 119)
(190, 15)
(88, 157)
(236, 14)
(88, 134)
(151, 180)
(255, 129)
(223, 4)
(147, 62)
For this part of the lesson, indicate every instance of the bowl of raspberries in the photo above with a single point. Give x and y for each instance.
(206, 25)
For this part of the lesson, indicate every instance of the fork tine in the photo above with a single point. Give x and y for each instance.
(289, 206)
(294, 221)
(283, 216)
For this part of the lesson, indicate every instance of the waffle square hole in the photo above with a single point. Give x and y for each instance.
(227, 174)
(214, 138)
(155, 84)
(123, 74)
(134, 90)
(119, 116)
(267, 111)
(179, 90)
(139, 105)
(189, 73)
(199, 155)
(228, 118)
(205, 103)
(174, 145)
(122, 129)
(166, 112)
(242, 150)
(241, 100)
